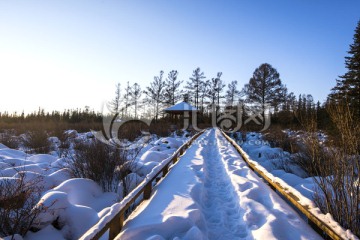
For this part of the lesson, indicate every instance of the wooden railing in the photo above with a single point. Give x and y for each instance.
(114, 220)
(314, 221)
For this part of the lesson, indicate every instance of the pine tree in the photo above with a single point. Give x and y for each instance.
(215, 90)
(135, 97)
(203, 95)
(114, 105)
(127, 96)
(348, 86)
(172, 88)
(265, 87)
(232, 93)
(194, 86)
(155, 93)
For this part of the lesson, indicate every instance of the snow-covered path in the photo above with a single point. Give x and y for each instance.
(212, 194)
(219, 201)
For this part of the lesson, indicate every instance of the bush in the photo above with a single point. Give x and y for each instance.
(9, 139)
(103, 163)
(338, 164)
(37, 142)
(132, 129)
(278, 138)
(17, 204)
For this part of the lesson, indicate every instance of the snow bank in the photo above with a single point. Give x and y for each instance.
(302, 188)
(12, 153)
(42, 158)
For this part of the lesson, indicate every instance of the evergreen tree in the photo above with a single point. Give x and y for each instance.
(114, 105)
(155, 93)
(194, 86)
(127, 99)
(172, 88)
(215, 90)
(203, 94)
(265, 87)
(232, 93)
(348, 86)
(135, 97)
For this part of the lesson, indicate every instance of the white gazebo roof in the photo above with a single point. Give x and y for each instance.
(181, 107)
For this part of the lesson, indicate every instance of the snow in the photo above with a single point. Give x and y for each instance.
(2, 146)
(75, 205)
(182, 106)
(6, 153)
(211, 194)
(42, 158)
(294, 183)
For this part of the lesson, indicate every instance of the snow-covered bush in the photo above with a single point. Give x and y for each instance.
(37, 141)
(18, 198)
(335, 166)
(9, 139)
(106, 164)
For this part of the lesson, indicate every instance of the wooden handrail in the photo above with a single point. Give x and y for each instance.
(314, 220)
(114, 220)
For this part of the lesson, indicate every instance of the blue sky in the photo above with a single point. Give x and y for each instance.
(69, 54)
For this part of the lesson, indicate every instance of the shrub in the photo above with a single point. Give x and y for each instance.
(37, 142)
(9, 139)
(278, 138)
(104, 163)
(18, 199)
(338, 164)
(132, 129)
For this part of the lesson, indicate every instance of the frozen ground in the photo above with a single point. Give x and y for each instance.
(212, 194)
(73, 205)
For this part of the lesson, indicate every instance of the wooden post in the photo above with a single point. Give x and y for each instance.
(116, 224)
(165, 170)
(175, 158)
(147, 190)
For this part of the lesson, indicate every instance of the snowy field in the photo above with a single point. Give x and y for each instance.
(212, 194)
(277, 165)
(70, 206)
(209, 194)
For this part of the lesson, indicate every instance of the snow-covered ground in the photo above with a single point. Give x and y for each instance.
(212, 194)
(278, 163)
(73, 205)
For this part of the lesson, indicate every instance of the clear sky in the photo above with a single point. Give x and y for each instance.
(59, 54)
